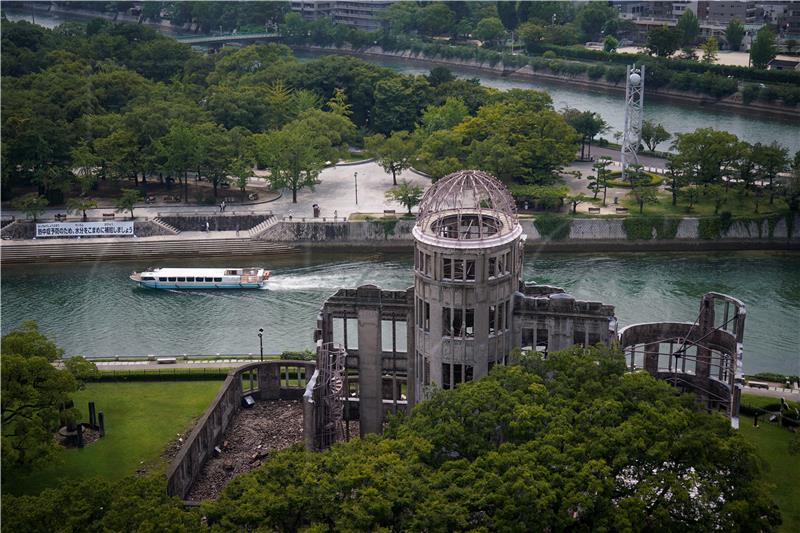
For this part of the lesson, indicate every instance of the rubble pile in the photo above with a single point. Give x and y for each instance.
(252, 435)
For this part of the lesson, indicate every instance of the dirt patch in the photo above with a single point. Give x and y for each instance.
(252, 435)
(69, 439)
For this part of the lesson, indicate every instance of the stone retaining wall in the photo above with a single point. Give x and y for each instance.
(199, 446)
(221, 222)
(350, 232)
(21, 230)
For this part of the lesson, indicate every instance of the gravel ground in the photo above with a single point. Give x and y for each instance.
(251, 437)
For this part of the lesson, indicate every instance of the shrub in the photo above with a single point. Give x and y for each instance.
(615, 74)
(596, 72)
(305, 355)
(709, 228)
(769, 94)
(552, 227)
(750, 92)
(642, 228)
(549, 55)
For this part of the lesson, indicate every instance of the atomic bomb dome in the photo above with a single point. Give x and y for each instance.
(470, 206)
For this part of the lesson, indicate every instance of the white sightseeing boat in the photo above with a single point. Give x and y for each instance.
(202, 278)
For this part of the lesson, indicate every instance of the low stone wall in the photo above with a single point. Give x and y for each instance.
(21, 230)
(220, 222)
(268, 385)
(361, 231)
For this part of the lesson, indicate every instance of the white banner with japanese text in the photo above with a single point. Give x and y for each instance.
(85, 229)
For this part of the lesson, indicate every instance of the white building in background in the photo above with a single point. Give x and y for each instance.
(364, 15)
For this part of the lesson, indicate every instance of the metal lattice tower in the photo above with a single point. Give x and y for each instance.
(329, 395)
(634, 114)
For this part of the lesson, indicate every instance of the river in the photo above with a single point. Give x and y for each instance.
(675, 117)
(92, 309)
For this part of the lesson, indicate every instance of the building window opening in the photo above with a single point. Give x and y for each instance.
(492, 267)
(447, 269)
(470, 270)
(458, 270)
(426, 324)
(446, 376)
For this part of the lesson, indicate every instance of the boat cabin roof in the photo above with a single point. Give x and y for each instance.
(205, 272)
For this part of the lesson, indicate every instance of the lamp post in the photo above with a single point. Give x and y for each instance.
(355, 178)
(261, 342)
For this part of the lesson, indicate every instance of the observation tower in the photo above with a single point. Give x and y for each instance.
(468, 247)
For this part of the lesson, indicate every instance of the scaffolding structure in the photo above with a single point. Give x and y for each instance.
(329, 395)
(634, 116)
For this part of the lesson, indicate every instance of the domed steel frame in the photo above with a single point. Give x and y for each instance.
(467, 205)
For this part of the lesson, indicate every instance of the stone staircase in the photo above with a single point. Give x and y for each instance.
(169, 228)
(260, 229)
(135, 249)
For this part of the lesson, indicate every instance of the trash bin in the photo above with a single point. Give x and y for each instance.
(316, 209)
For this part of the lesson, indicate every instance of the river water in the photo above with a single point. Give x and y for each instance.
(92, 309)
(675, 117)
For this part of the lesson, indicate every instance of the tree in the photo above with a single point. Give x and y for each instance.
(439, 75)
(688, 27)
(576, 200)
(435, 19)
(663, 41)
(128, 200)
(445, 116)
(610, 44)
(338, 104)
(677, 175)
(707, 154)
(790, 44)
(654, 134)
(734, 34)
(770, 160)
(242, 170)
(764, 48)
(531, 34)
(641, 189)
(32, 204)
(594, 18)
(588, 124)
(34, 393)
(295, 156)
(489, 30)
(80, 205)
(710, 49)
(394, 153)
(406, 194)
(601, 177)
(399, 102)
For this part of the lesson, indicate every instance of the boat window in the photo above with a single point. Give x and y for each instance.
(148, 278)
(231, 272)
(172, 279)
(209, 280)
(162, 279)
(189, 279)
(217, 280)
(181, 279)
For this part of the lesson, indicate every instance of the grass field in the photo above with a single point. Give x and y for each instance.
(141, 419)
(704, 206)
(781, 470)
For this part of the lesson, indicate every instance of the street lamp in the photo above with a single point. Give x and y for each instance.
(261, 342)
(355, 177)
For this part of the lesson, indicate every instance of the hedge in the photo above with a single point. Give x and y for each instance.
(641, 228)
(552, 227)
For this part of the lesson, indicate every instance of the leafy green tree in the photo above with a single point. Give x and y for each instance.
(445, 116)
(531, 34)
(689, 28)
(641, 188)
(575, 200)
(32, 204)
(663, 41)
(734, 34)
(594, 18)
(295, 155)
(490, 30)
(562, 35)
(215, 153)
(399, 102)
(610, 44)
(442, 153)
(588, 124)
(81, 204)
(180, 149)
(677, 176)
(770, 160)
(338, 104)
(400, 17)
(600, 179)
(764, 48)
(707, 154)
(242, 171)
(435, 19)
(128, 200)
(34, 392)
(654, 134)
(395, 153)
(406, 194)
(710, 49)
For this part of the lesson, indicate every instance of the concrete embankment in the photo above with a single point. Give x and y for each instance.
(569, 235)
(733, 102)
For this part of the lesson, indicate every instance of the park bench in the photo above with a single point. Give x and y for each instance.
(150, 200)
(252, 196)
(622, 210)
(108, 215)
(60, 216)
(166, 361)
(172, 199)
(594, 210)
(388, 212)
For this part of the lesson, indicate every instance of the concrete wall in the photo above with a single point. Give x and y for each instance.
(221, 222)
(23, 229)
(212, 425)
(349, 232)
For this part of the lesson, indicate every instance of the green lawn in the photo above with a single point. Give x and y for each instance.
(755, 400)
(141, 419)
(782, 470)
(704, 206)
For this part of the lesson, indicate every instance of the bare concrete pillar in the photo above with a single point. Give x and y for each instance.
(101, 422)
(369, 371)
(651, 358)
(269, 382)
(92, 417)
